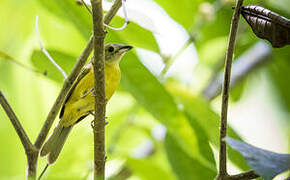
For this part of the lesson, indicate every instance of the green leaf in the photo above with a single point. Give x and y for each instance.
(219, 27)
(184, 166)
(279, 71)
(203, 139)
(266, 163)
(148, 92)
(43, 65)
(133, 34)
(152, 95)
(70, 11)
(237, 92)
(213, 50)
(202, 114)
(183, 12)
(147, 169)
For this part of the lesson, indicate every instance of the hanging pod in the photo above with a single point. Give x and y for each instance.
(268, 25)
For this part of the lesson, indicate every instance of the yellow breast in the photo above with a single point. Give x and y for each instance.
(82, 99)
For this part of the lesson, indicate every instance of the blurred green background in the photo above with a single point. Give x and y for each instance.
(161, 125)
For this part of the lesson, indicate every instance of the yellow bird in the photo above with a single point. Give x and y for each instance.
(80, 100)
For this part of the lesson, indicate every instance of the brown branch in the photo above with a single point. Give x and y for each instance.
(61, 97)
(225, 93)
(30, 150)
(244, 176)
(84, 3)
(71, 78)
(99, 86)
(113, 11)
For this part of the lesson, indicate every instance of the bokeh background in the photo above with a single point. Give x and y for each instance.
(162, 123)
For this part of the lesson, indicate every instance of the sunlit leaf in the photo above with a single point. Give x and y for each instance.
(216, 47)
(203, 139)
(150, 93)
(70, 11)
(183, 11)
(184, 166)
(147, 91)
(220, 27)
(237, 92)
(147, 169)
(279, 71)
(200, 111)
(266, 163)
(133, 34)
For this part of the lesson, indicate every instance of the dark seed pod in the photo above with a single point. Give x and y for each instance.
(268, 25)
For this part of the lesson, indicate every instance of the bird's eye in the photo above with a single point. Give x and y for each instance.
(111, 49)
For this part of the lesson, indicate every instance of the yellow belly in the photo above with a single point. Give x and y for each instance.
(82, 99)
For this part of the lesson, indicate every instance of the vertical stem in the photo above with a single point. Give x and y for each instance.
(99, 86)
(174, 57)
(225, 93)
(30, 150)
(62, 95)
(32, 158)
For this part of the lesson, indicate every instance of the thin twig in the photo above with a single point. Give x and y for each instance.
(14, 61)
(124, 12)
(61, 97)
(225, 93)
(46, 52)
(113, 11)
(85, 4)
(30, 150)
(172, 59)
(71, 78)
(99, 86)
(125, 17)
(244, 176)
(16, 124)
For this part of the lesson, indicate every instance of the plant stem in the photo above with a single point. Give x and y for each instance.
(71, 78)
(16, 124)
(30, 150)
(99, 86)
(222, 174)
(63, 93)
(112, 12)
(171, 60)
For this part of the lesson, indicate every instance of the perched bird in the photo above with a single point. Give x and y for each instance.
(80, 100)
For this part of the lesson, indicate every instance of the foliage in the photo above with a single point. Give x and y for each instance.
(143, 101)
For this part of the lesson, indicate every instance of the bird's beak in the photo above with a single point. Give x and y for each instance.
(125, 48)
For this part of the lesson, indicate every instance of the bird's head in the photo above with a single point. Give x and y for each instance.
(114, 52)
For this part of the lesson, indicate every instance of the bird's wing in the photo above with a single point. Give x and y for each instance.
(86, 69)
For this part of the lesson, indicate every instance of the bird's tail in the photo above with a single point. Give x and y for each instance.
(54, 144)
